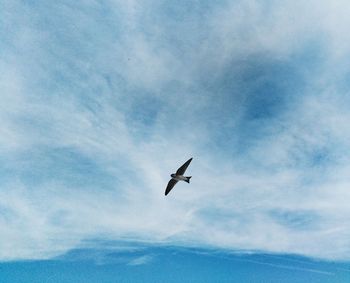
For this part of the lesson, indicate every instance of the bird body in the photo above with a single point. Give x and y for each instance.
(178, 176)
(181, 178)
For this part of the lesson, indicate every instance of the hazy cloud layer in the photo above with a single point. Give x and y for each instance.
(101, 102)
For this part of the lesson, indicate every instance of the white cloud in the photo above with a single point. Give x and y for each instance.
(250, 201)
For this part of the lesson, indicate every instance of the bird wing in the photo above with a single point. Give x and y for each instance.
(183, 168)
(170, 185)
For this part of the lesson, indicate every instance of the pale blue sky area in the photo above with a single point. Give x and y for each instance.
(102, 101)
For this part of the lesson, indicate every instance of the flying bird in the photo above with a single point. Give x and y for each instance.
(178, 176)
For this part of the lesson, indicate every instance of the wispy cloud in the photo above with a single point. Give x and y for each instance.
(289, 267)
(100, 102)
(141, 260)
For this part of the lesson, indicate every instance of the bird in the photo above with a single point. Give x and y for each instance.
(178, 176)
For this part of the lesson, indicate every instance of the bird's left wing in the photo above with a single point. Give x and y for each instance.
(170, 185)
(183, 168)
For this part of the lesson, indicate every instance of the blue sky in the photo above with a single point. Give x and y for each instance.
(100, 102)
(132, 262)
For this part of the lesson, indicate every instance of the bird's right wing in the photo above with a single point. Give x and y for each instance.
(170, 185)
(183, 168)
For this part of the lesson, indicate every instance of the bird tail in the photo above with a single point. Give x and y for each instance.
(188, 179)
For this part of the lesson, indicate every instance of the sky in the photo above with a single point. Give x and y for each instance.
(102, 100)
